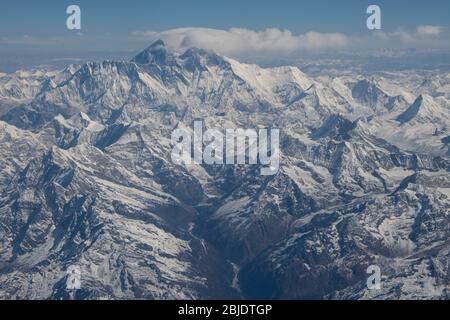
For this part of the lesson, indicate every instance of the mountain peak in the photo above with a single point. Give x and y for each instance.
(197, 59)
(424, 109)
(157, 43)
(155, 53)
(336, 126)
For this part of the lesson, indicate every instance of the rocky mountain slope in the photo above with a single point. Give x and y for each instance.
(87, 179)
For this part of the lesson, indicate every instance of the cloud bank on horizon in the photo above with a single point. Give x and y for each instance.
(245, 42)
(241, 41)
(268, 46)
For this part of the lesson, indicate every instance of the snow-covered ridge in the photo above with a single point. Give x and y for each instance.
(87, 179)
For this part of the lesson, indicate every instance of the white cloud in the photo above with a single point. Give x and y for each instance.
(244, 43)
(276, 43)
(429, 30)
(424, 36)
(237, 41)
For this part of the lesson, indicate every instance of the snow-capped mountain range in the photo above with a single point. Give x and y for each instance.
(87, 179)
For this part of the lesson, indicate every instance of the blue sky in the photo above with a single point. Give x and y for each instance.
(47, 17)
(232, 27)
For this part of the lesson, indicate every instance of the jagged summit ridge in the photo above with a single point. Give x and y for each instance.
(155, 53)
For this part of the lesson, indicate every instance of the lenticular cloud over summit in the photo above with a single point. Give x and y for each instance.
(278, 43)
(245, 41)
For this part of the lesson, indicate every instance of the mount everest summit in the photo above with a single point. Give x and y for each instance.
(87, 179)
